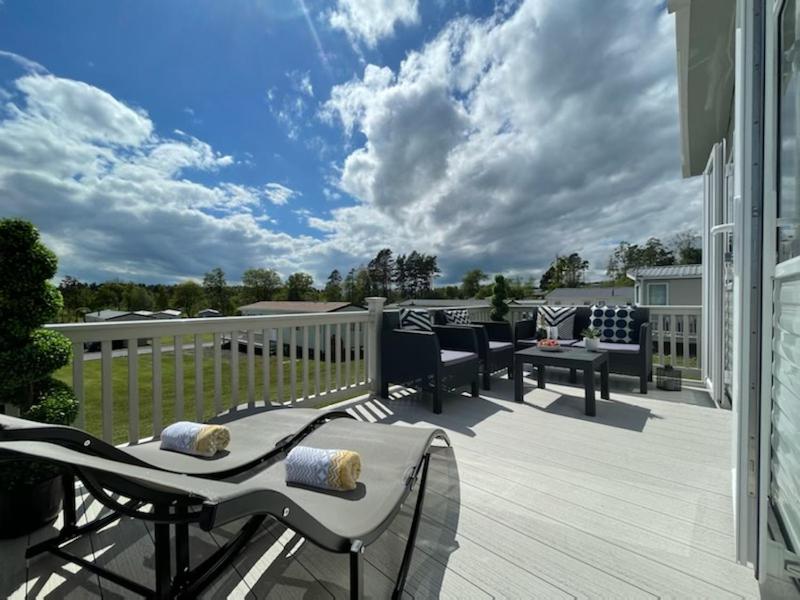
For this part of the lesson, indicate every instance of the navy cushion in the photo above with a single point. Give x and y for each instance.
(614, 323)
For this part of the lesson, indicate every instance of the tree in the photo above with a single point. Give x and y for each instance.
(216, 290)
(333, 288)
(350, 285)
(629, 257)
(380, 270)
(299, 286)
(188, 296)
(110, 294)
(686, 246)
(499, 306)
(77, 296)
(137, 297)
(565, 271)
(471, 282)
(28, 353)
(259, 284)
(572, 269)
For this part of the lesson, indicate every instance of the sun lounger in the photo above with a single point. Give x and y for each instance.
(151, 485)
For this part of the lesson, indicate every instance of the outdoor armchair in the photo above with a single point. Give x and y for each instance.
(495, 345)
(442, 359)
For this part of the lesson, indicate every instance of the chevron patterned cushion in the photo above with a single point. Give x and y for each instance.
(562, 317)
(614, 323)
(457, 316)
(415, 319)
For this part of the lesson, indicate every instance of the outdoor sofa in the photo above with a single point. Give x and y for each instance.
(174, 490)
(441, 359)
(495, 344)
(634, 359)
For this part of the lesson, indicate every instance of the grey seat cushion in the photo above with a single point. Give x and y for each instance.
(253, 434)
(528, 341)
(454, 357)
(612, 347)
(500, 345)
(567, 342)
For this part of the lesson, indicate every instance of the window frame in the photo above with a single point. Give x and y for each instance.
(663, 284)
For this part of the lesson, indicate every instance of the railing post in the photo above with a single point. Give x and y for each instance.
(375, 307)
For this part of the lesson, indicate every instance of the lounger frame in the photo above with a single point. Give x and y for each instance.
(174, 512)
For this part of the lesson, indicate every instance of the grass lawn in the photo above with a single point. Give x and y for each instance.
(119, 370)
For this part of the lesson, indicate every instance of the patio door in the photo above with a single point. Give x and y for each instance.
(713, 267)
(779, 482)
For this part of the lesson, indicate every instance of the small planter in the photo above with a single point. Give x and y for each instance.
(30, 507)
(668, 378)
(592, 344)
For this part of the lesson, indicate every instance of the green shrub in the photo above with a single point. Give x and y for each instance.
(29, 354)
(500, 293)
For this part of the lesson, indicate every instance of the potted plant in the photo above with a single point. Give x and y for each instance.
(500, 293)
(30, 492)
(591, 338)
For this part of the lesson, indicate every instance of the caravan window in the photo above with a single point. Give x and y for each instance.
(657, 294)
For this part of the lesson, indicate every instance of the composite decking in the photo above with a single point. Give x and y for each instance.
(533, 500)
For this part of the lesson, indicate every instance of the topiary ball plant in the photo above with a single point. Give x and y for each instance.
(29, 354)
(499, 295)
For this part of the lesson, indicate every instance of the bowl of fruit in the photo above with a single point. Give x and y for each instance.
(548, 345)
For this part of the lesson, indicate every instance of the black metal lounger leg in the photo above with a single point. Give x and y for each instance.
(474, 388)
(356, 570)
(70, 517)
(162, 557)
(181, 544)
(196, 580)
(400, 583)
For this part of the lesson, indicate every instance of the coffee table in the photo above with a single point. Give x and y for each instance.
(570, 358)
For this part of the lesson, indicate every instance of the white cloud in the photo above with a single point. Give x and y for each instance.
(26, 63)
(301, 82)
(500, 143)
(113, 196)
(369, 21)
(279, 194)
(509, 139)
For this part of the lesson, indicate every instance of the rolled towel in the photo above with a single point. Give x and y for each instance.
(327, 469)
(196, 439)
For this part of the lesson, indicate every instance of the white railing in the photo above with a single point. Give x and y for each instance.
(676, 333)
(285, 359)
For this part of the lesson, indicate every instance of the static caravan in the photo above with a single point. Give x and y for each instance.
(739, 95)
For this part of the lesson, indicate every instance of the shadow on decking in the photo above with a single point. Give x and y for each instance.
(415, 407)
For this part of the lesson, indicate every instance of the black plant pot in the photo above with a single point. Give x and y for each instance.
(27, 508)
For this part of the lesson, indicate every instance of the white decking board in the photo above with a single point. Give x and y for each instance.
(533, 500)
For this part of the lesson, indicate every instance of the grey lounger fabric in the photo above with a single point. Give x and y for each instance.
(391, 454)
(254, 435)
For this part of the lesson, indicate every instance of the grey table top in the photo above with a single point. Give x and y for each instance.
(566, 355)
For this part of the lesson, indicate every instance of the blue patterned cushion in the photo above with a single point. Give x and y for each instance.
(415, 319)
(562, 317)
(614, 322)
(457, 316)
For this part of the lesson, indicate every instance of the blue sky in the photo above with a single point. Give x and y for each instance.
(155, 140)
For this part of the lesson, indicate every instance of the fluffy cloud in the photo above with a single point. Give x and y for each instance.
(545, 129)
(369, 21)
(113, 198)
(509, 139)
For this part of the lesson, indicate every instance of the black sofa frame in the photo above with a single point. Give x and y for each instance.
(637, 364)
